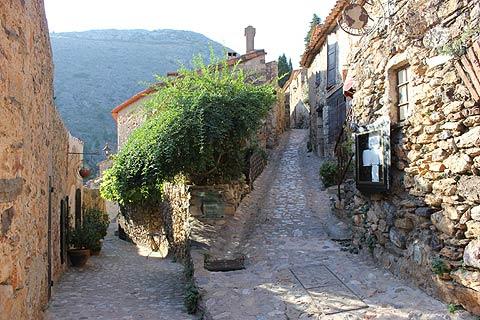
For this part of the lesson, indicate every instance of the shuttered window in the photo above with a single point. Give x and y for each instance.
(332, 65)
(336, 114)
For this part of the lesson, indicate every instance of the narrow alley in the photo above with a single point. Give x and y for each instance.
(122, 283)
(293, 270)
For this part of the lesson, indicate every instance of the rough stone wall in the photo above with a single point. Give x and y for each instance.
(431, 212)
(276, 122)
(229, 197)
(93, 200)
(74, 181)
(33, 146)
(165, 226)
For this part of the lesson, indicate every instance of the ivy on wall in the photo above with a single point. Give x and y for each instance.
(197, 127)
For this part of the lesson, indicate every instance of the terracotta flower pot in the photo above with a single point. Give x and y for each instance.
(78, 257)
(84, 172)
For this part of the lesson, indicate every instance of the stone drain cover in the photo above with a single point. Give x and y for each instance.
(329, 294)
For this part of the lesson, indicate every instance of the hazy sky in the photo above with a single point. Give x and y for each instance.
(281, 25)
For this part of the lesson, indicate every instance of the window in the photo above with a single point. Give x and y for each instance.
(332, 65)
(318, 79)
(403, 79)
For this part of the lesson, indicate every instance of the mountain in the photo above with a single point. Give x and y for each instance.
(97, 70)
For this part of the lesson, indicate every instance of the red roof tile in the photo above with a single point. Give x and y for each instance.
(321, 32)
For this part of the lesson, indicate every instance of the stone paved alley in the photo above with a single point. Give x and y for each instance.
(293, 270)
(122, 283)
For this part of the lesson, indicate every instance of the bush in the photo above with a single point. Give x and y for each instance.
(97, 221)
(83, 237)
(439, 266)
(328, 172)
(191, 299)
(197, 126)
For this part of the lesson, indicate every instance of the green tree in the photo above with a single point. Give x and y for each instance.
(198, 127)
(284, 69)
(316, 20)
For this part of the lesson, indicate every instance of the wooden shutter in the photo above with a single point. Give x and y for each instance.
(336, 114)
(332, 65)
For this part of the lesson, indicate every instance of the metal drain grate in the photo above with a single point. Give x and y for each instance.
(329, 294)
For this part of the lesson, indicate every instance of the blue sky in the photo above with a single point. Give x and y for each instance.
(281, 25)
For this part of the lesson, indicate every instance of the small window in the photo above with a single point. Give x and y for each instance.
(332, 65)
(403, 86)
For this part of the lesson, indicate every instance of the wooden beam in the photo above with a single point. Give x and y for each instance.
(466, 80)
(476, 49)
(469, 69)
(474, 61)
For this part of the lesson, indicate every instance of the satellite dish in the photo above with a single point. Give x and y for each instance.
(355, 16)
(356, 19)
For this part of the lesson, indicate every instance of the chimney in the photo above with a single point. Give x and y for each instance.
(250, 34)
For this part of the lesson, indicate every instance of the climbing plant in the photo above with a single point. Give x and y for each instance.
(458, 46)
(197, 127)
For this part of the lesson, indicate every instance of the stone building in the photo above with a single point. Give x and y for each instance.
(128, 115)
(325, 59)
(37, 173)
(296, 98)
(416, 123)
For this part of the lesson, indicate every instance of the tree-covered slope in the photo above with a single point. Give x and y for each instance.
(99, 69)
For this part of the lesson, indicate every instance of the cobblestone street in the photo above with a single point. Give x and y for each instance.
(121, 283)
(293, 270)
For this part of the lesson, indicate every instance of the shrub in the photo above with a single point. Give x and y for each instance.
(83, 237)
(452, 308)
(192, 297)
(197, 126)
(96, 221)
(328, 172)
(439, 267)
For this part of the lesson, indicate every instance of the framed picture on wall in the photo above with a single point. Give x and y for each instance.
(373, 159)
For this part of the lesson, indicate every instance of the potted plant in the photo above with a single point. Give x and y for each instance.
(80, 240)
(97, 221)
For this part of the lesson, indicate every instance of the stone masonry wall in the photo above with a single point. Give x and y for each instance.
(166, 226)
(299, 111)
(129, 119)
(431, 215)
(33, 147)
(163, 226)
